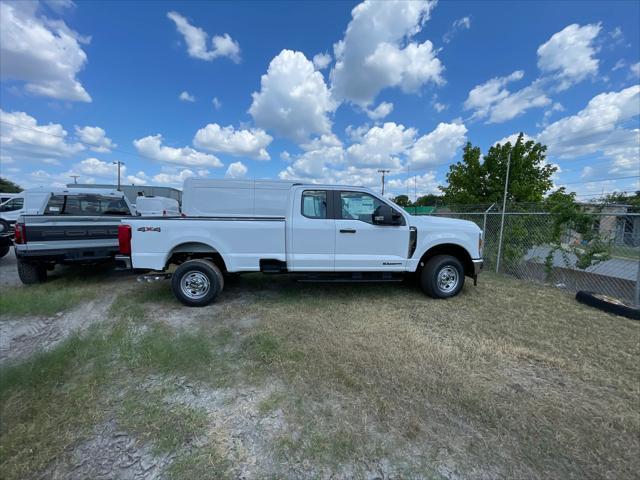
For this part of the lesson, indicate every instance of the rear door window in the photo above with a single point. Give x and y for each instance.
(314, 203)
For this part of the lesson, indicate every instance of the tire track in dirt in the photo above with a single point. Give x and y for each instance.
(20, 338)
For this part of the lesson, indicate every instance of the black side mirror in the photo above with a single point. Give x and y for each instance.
(385, 215)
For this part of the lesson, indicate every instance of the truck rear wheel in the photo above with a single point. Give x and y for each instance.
(197, 283)
(442, 277)
(31, 273)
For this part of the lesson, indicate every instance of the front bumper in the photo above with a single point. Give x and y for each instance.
(477, 267)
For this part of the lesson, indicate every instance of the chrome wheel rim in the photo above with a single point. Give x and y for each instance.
(447, 279)
(195, 285)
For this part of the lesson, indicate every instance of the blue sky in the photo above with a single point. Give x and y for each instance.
(317, 91)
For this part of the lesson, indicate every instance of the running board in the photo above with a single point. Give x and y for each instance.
(358, 277)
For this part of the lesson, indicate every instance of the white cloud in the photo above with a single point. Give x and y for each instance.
(21, 136)
(95, 138)
(440, 107)
(635, 69)
(251, 143)
(381, 146)
(513, 138)
(196, 40)
(414, 186)
(463, 23)
(44, 53)
(376, 51)
(600, 127)
(236, 170)
(293, 100)
(139, 178)
(93, 166)
(381, 111)
(217, 104)
(151, 147)
(569, 54)
(186, 97)
(619, 64)
(587, 171)
(322, 60)
(175, 179)
(439, 146)
(493, 101)
(320, 156)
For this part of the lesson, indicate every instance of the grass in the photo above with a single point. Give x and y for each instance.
(53, 400)
(44, 299)
(519, 378)
(507, 380)
(164, 425)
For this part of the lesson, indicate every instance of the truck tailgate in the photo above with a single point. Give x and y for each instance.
(57, 232)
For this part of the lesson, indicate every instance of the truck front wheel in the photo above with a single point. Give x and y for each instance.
(442, 277)
(31, 273)
(197, 283)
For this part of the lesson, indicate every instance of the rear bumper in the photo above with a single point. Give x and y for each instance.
(75, 255)
(477, 267)
(124, 260)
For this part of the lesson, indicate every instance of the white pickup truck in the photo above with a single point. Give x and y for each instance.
(327, 233)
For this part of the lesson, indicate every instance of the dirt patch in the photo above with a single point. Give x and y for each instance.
(110, 454)
(20, 338)
(237, 428)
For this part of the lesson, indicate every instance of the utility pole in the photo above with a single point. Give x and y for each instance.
(119, 163)
(504, 206)
(383, 172)
(75, 179)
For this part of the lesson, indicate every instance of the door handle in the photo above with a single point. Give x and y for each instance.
(347, 230)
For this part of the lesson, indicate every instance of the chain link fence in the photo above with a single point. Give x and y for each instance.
(534, 249)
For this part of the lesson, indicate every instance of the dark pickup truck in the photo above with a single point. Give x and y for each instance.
(75, 227)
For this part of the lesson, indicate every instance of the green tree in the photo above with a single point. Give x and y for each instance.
(402, 201)
(476, 181)
(428, 200)
(7, 186)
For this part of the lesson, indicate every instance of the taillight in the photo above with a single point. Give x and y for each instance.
(20, 234)
(124, 239)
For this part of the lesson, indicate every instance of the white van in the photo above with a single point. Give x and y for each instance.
(157, 207)
(204, 197)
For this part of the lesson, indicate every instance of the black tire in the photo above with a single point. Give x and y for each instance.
(442, 277)
(4, 226)
(589, 298)
(31, 273)
(207, 282)
(4, 251)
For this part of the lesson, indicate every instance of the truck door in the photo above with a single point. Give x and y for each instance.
(362, 245)
(313, 232)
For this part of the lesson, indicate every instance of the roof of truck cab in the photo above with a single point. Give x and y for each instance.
(74, 191)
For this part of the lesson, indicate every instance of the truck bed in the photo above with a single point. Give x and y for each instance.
(241, 241)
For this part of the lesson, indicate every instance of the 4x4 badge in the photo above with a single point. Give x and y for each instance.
(149, 229)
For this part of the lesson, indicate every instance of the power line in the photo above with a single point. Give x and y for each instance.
(601, 180)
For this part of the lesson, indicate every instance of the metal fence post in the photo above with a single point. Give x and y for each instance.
(636, 296)
(504, 206)
(484, 222)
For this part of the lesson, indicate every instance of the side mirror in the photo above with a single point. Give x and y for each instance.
(385, 215)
